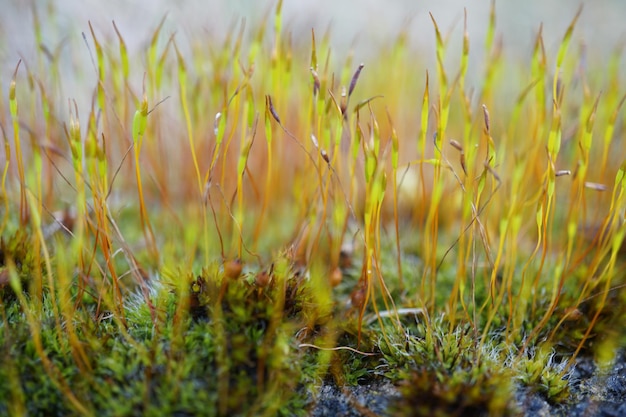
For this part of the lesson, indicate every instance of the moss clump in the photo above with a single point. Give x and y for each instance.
(449, 373)
(542, 372)
(16, 251)
(253, 324)
(236, 354)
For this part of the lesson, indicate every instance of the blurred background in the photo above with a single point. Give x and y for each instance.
(361, 26)
(363, 29)
(357, 28)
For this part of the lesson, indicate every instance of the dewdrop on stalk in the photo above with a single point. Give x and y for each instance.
(216, 124)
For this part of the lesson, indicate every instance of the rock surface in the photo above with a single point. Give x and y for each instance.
(595, 394)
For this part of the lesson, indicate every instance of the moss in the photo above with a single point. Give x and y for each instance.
(151, 371)
(449, 373)
(16, 251)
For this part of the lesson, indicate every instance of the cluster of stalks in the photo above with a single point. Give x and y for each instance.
(262, 148)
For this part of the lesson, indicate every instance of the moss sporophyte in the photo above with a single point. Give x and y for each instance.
(232, 225)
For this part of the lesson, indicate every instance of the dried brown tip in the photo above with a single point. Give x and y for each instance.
(558, 90)
(456, 145)
(492, 171)
(17, 67)
(487, 121)
(316, 81)
(12, 85)
(269, 103)
(355, 78)
(325, 156)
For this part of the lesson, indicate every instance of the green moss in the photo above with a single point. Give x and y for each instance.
(17, 251)
(442, 372)
(244, 359)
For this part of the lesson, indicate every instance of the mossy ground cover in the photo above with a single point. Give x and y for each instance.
(229, 227)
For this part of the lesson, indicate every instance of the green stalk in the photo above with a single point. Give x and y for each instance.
(18, 147)
(140, 122)
(395, 145)
(554, 145)
(5, 171)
